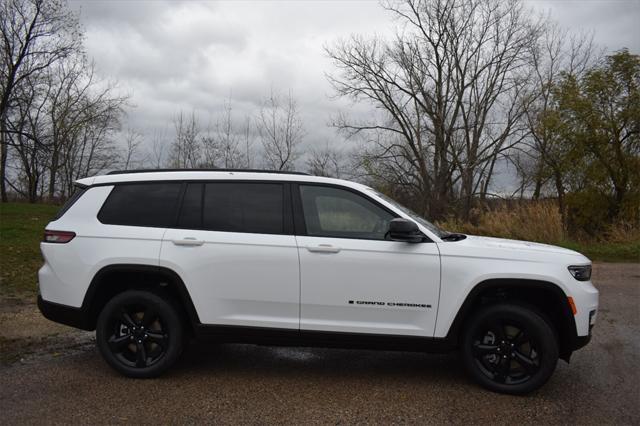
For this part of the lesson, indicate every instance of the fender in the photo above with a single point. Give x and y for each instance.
(566, 327)
(90, 307)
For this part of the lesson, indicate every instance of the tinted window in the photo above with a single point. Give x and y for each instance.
(70, 202)
(145, 204)
(334, 212)
(243, 207)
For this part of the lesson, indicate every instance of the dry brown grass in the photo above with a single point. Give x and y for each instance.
(532, 221)
(622, 232)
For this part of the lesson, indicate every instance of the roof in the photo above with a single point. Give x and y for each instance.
(204, 174)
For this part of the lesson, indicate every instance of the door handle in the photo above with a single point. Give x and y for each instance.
(188, 241)
(323, 248)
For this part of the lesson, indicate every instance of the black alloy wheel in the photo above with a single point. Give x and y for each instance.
(509, 348)
(139, 334)
(505, 353)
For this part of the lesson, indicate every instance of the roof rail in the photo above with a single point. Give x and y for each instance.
(121, 172)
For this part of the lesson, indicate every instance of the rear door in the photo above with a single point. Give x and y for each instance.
(234, 248)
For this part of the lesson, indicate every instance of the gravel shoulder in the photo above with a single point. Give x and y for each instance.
(51, 373)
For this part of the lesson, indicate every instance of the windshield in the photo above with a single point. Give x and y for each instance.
(415, 216)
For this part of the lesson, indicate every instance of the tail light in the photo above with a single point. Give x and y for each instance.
(58, 236)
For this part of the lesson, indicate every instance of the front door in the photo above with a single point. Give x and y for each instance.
(353, 279)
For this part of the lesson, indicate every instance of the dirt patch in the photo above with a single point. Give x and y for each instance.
(25, 335)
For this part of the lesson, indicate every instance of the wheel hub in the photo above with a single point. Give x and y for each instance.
(138, 333)
(506, 349)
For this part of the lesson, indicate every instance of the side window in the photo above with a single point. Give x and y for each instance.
(141, 204)
(339, 213)
(241, 207)
(70, 202)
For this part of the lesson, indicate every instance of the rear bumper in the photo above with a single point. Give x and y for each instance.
(63, 314)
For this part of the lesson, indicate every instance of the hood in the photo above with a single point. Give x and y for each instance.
(515, 248)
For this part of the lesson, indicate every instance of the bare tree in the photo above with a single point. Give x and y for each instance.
(281, 130)
(248, 143)
(447, 88)
(61, 125)
(327, 161)
(84, 111)
(552, 56)
(131, 155)
(158, 148)
(222, 145)
(89, 115)
(26, 135)
(35, 34)
(185, 150)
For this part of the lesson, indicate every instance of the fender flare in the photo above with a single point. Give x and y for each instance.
(470, 302)
(88, 304)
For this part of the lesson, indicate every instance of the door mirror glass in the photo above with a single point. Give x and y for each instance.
(405, 230)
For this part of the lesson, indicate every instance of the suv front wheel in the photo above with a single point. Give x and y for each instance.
(139, 334)
(509, 348)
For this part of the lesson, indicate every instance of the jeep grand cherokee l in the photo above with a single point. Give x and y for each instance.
(148, 258)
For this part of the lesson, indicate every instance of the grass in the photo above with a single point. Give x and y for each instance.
(606, 251)
(21, 229)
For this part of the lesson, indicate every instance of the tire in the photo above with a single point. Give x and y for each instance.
(509, 348)
(139, 334)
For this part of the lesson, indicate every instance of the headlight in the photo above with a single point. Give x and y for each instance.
(581, 272)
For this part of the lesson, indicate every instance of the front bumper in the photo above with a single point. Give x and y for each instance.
(581, 341)
(585, 297)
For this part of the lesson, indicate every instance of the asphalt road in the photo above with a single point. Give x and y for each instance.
(235, 384)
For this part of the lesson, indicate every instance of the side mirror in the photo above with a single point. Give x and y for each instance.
(401, 229)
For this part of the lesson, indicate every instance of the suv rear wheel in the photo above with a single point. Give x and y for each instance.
(139, 334)
(509, 348)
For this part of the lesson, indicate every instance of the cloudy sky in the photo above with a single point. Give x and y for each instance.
(187, 55)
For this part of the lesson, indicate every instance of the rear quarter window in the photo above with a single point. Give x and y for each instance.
(141, 204)
(70, 202)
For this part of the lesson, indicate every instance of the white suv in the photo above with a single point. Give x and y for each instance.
(149, 258)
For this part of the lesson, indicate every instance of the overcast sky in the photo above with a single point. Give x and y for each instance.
(192, 55)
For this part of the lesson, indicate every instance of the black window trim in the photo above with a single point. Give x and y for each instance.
(300, 225)
(176, 222)
(293, 215)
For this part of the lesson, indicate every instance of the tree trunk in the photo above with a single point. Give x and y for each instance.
(3, 161)
(53, 173)
(561, 203)
(467, 193)
(537, 189)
